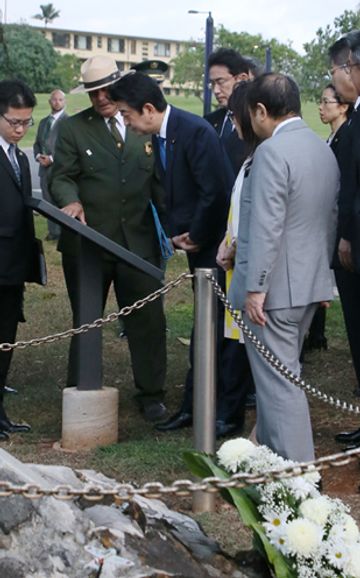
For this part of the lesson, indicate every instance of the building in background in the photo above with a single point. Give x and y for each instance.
(127, 50)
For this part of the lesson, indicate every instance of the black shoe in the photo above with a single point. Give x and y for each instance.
(8, 389)
(346, 437)
(224, 429)
(8, 426)
(154, 411)
(3, 436)
(177, 421)
(351, 447)
(250, 400)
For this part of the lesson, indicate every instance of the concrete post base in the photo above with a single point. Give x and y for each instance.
(89, 418)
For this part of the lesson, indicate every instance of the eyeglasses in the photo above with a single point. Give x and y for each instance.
(340, 67)
(327, 101)
(15, 123)
(348, 66)
(219, 81)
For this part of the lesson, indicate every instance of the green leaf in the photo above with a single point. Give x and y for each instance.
(244, 500)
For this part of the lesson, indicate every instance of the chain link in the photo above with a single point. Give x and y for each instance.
(179, 488)
(98, 322)
(274, 361)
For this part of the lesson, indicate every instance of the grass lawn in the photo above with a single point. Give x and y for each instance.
(143, 454)
(77, 102)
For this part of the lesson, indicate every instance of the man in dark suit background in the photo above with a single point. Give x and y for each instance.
(189, 156)
(345, 65)
(226, 68)
(44, 149)
(104, 176)
(18, 249)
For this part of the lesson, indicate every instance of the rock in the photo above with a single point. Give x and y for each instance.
(143, 538)
(11, 567)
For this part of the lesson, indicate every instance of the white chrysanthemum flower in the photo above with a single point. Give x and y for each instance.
(233, 452)
(336, 553)
(303, 537)
(275, 521)
(317, 509)
(352, 568)
(351, 530)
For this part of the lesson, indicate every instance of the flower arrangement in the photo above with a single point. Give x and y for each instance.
(301, 533)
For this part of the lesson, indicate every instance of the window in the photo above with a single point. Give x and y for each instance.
(116, 45)
(61, 39)
(162, 49)
(133, 46)
(82, 42)
(99, 41)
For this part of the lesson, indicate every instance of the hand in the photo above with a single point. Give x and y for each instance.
(184, 242)
(45, 160)
(254, 307)
(225, 255)
(344, 254)
(76, 211)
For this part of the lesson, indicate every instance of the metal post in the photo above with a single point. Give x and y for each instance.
(204, 376)
(209, 38)
(268, 59)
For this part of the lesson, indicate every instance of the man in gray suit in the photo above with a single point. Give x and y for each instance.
(44, 148)
(286, 239)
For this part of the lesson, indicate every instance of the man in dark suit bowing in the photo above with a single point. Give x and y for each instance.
(17, 239)
(104, 176)
(190, 159)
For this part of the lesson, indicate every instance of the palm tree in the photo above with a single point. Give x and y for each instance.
(48, 13)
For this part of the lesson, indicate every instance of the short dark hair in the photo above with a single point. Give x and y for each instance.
(279, 94)
(137, 89)
(339, 51)
(238, 104)
(354, 44)
(15, 94)
(229, 58)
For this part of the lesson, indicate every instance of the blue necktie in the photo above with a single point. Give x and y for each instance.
(162, 150)
(14, 164)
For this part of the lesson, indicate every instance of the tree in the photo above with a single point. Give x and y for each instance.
(48, 13)
(189, 65)
(26, 54)
(316, 61)
(189, 68)
(67, 72)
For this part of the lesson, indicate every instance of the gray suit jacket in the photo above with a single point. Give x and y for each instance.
(287, 221)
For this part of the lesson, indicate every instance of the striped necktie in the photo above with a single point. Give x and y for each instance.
(14, 163)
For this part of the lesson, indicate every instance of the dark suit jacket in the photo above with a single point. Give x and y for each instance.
(195, 178)
(346, 149)
(47, 142)
(233, 145)
(114, 186)
(18, 250)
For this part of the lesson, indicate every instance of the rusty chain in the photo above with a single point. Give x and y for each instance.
(98, 322)
(180, 488)
(274, 361)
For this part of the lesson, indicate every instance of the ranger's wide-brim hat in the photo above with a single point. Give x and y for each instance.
(97, 72)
